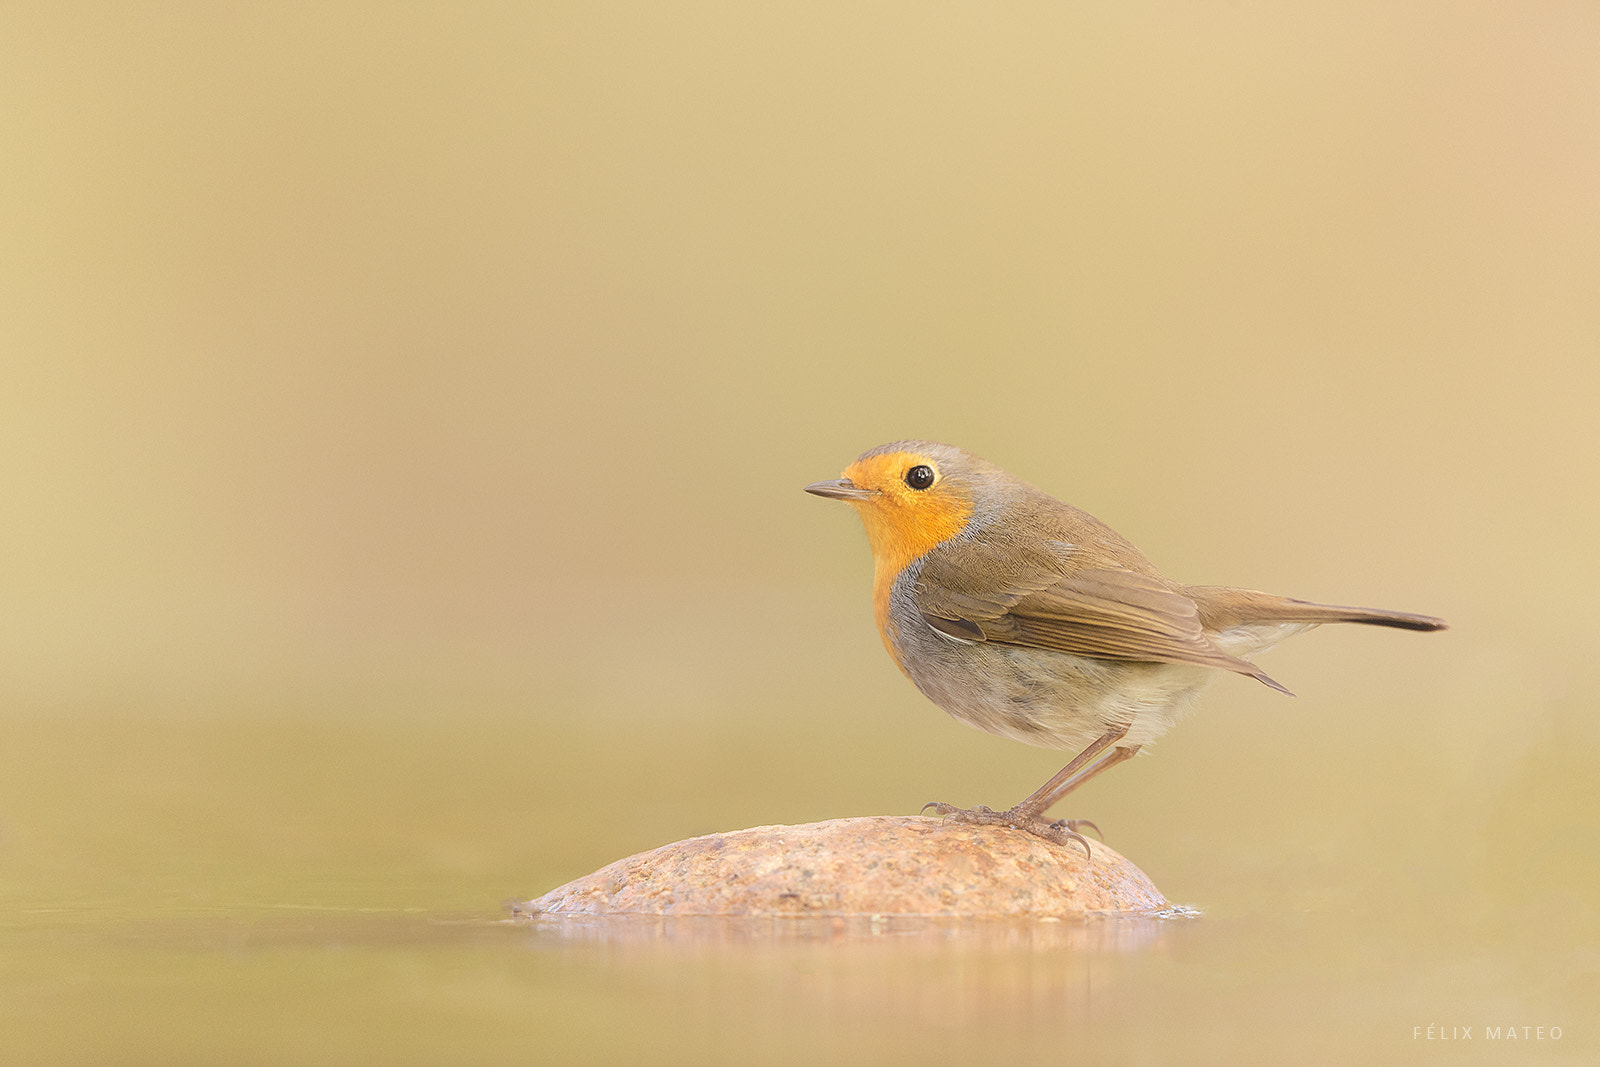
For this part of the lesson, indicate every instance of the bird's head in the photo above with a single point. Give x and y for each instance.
(911, 496)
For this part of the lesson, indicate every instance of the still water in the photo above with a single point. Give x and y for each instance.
(324, 888)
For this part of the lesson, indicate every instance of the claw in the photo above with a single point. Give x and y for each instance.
(1073, 824)
(1067, 829)
(1080, 839)
(1059, 832)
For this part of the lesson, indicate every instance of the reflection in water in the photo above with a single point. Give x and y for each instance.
(857, 972)
(909, 933)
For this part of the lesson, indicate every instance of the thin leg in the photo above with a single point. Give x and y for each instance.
(1028, 815)
(1046, 795)
(1122, 752)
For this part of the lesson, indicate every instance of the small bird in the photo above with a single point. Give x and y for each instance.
(1028, 618)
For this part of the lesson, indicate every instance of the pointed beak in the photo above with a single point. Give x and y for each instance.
(840, 489)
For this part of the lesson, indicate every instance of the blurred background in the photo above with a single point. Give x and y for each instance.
(405, 413)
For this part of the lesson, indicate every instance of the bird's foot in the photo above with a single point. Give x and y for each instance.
(1056, 831)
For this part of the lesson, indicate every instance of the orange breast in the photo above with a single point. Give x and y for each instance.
(902, 527)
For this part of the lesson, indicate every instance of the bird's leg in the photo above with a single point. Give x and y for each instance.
(1028, 815)
(1052, 791)
(1110, 759)
(1062, 783)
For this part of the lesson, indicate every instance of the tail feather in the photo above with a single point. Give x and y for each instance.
(1222, 608)
(1265, 679)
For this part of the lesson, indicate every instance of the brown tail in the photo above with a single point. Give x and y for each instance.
(1222, 608)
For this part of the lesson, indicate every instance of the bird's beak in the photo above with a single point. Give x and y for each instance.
(840, 489)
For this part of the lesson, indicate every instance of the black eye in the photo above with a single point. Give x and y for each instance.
(920, 476)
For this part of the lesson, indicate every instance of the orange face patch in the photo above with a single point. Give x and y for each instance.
(903, 523)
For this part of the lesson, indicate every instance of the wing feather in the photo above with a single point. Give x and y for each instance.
(1105, 613)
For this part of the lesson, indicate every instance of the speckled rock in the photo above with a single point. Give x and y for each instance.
(878, 865)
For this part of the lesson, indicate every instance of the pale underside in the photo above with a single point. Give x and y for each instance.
(1062, 700)
(1058, 659)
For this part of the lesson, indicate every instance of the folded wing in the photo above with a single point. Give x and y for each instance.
(1105, 613)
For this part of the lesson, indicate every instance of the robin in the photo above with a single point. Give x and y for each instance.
(1025, 617)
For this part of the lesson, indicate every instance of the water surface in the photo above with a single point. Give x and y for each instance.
(336, 890)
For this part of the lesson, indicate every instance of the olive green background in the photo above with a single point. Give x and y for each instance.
(404, 417)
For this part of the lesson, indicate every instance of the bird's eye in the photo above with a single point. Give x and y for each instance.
(920, 476)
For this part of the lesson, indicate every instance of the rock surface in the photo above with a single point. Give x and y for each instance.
(877, 865)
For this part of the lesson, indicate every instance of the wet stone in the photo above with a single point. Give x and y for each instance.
(876, 865)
